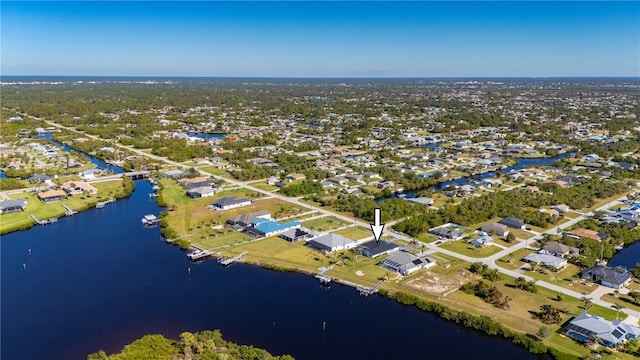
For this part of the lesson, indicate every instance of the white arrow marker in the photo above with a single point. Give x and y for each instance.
(376, 227)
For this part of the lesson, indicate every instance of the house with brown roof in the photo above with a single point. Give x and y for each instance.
(52, 195)
(78, 187)
(588, 234)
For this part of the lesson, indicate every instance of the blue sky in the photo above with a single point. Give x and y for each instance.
(321, 39)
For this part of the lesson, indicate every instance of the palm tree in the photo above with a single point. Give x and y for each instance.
(618, 308)
(587, 303)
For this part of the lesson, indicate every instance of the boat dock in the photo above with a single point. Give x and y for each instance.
(101, 204)
(68, 212)
(43, 222)
(153, 195)
(199, 255)
(150, 220)
(178, 238)
(229, 261)
(365, 291)
(324, 279)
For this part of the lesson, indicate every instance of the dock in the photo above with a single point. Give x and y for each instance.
(178, 238)
(150, 220)
(68, 212)
(153, 195)
(199, 255)
(229, 261)
(324, 279)
(367, 291)
(101, 204)
(43, 222)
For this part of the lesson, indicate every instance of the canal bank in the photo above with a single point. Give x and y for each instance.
(90, 285)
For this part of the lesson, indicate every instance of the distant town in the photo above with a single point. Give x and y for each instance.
(505, 201)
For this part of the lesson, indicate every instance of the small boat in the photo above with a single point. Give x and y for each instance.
(149, 220)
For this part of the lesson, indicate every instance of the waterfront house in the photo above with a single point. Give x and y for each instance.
(374, 248)
(11, 205)
(78, 187)
(615, 278)
(331, 242)
(512, 222)
(52, 195)
(244, 220)
(421, 200)
(585, 328)
(173, 174)
(297, 234)
(561, 250)
(498, 229)
(200, 192)
(588, 234)
(230, 202)
(91, 174)
(405, 263)
(261, 228)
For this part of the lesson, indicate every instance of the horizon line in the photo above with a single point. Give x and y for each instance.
(340, 77)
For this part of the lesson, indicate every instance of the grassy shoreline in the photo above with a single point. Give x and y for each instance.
(17, 221)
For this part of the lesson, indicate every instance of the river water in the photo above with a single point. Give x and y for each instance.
(99, 280)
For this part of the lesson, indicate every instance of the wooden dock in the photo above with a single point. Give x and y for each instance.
(367, 291)
(178, 238)
(101, 204)
(68, 212)
(229, 261)
(43, 222)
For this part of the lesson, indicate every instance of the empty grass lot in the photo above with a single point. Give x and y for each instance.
(325, 223)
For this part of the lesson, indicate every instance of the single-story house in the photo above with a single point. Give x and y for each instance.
(297, 234)
(498, 229)
(421, 200)
(512, 222)
(78, 187)
(585, 327)
(230, 202)
(615, 278)
(10, 205)
(194, 180)
(331, 242)
(482, 240)
(201, 191)
(52, 195)
(562, 208)
(293, 177)
(546, 260)
(40, 178)
(91, 174)
(244, 220)
(405, 263)
(173, 174)
(557, 249)
(264, 228)
(448, 231)
(374, 248)
(588, 234)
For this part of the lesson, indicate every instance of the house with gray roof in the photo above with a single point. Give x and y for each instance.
(11, 205)
(561, 250)
(615, 278)
(498, 229)
(482, 240)
(546, 260)
(200, 192)
(512, 222)
(585, 327)
(244, 220)
(374, 248)
(448, 231)
(405, 263)
(331, 242)
(230, 202)
(297, 234)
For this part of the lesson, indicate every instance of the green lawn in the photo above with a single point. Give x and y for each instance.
(464, 248)
(223, 237)
(325, 223)
(21, 220)
(354, 233)
(266, 187)
(214, 170)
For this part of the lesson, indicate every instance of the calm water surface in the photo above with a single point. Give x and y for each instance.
(99, 280)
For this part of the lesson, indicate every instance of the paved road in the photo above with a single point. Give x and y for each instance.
(489, 261)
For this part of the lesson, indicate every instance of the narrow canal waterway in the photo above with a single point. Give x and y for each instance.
(99, 280)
